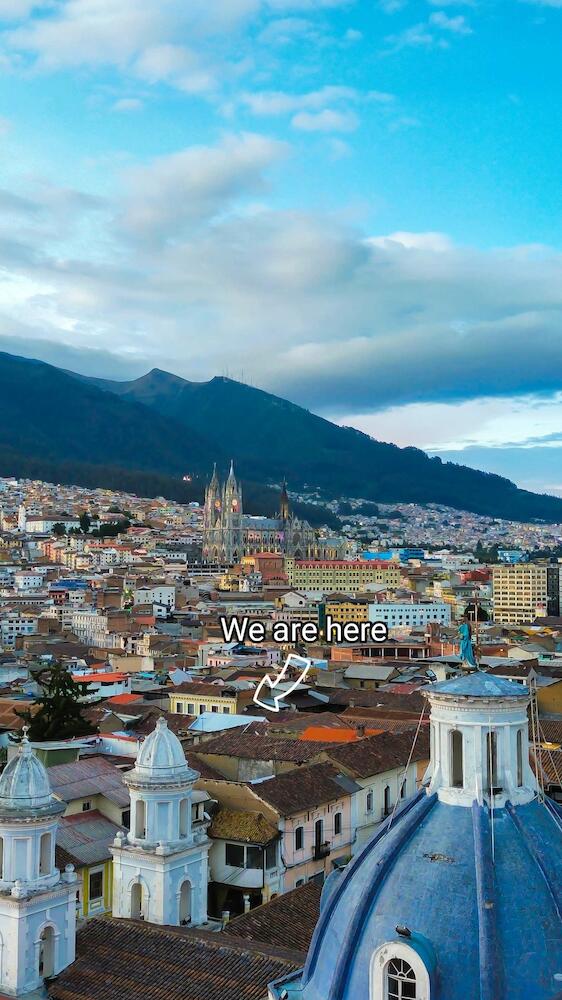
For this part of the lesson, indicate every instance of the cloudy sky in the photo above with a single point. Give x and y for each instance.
(355, 204)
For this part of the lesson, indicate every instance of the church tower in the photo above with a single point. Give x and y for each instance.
(284, 509)
(37, 902)
(232, 518)
(160, 868)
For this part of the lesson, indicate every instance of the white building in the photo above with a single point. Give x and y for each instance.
(160, 870)
(13, 625)
(394, 613)
(159, 594)
(37, 902)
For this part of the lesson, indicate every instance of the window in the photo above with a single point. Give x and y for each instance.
(403, 788)
(400, 981)
(226, 711)
(202, 708)
(299, 838)
(337, 824)
(457, 766)
(300, 881)
(369, 802)
(45, 854)
(386, 807)
(86, 806)
(96, 886)
(126, 818)
(519, 758)
(318, 832)
(140, 819)
(491, 761)
(271, 855)
(191, 708)
(179, 708)
(184, 806)
(254, 857)
(235, 855)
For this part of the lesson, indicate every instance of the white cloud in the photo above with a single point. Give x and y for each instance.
(195, 184)
(127, 104)
(456, 25)
(325, 121)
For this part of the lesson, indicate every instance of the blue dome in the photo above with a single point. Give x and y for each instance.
(479, 685)
(482, 913)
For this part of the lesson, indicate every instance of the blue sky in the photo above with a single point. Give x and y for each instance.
(354, 204)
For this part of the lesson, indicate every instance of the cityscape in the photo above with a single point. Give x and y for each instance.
(208, 727)
(280, 500)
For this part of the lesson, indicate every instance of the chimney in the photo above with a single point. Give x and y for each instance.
(360, 730)
(246, 903)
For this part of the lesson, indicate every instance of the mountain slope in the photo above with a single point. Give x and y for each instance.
(270, 437)
(46, 412)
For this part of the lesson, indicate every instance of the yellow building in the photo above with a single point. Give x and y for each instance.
(83, 840)
(521, 592)
(338, 575)
(346, 609)
(194, 699)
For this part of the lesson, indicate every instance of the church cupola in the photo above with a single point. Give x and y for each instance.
(160, 868)
(37, 902)
(480, 741)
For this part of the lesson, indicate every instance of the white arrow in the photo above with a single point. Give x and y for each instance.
(302, 663)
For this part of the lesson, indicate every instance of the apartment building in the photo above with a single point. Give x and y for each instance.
(340, 575)
(523, 591)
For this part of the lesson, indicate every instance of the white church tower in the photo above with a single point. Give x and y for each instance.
(37, 902)
(160, 870)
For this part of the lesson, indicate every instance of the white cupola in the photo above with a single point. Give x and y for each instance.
(37, 902)
(480, 741)
(160, 870)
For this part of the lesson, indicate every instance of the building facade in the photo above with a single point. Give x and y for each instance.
(331, 575)
(229, 534)
(524, 591)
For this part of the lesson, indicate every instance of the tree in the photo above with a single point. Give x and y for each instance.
(59, 529)
(85, 521)
(60, 713)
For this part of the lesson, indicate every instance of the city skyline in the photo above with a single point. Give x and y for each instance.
(352, 205)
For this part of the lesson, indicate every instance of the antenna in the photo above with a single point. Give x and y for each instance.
(491, 780)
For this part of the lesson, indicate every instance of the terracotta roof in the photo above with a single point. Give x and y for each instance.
(85, 837)
(390, 700)
(289, 919)
(141, 961)
(251, 746)
(88, 776)
(303, 788)
(246, 827)
(383, 752)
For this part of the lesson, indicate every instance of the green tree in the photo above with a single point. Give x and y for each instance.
(60, 712)
(59, 529)
(85, 521)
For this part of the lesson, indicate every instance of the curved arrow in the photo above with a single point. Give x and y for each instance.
(303, 664)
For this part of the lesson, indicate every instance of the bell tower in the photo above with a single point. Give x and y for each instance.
(284, 509)
(160, 870)
(37, 902)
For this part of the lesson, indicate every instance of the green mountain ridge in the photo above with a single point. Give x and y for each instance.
(270, 437)
(152, 430)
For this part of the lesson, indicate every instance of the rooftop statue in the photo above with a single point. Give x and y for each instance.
(466, 649)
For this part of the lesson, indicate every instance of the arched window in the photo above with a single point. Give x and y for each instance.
(47, 952)
(491, 762)
(137, 901)
(386, 807)
(337, 824)
(184, 806)
(400, 980)
(299, 838)
(140, 818)
(185, 903)
(457, 765)
(369, 802)
(519, 758)
(45, 854)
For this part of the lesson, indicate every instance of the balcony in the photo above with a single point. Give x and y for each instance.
(321, 850)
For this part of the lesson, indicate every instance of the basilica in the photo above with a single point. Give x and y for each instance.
(229, 534)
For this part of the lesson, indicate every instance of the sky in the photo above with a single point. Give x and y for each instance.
(356, 204)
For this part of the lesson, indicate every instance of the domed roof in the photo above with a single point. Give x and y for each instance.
(24, 786)
(478, 685)
(161, 757)
(483, 925)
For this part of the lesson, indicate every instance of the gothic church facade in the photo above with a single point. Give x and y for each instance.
(229, 534)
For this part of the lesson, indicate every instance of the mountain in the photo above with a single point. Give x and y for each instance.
(144, 435)
(62, 428)
(270, 437)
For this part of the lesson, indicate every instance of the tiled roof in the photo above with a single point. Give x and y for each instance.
(390, 700)
(383, 752)
(249, 745)
(141, 961)
(85, 837)
(89, 776)
(289, 919)
(302, 788)
(250, 828)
